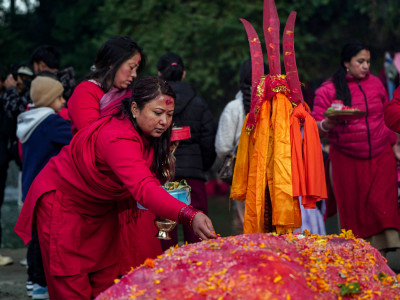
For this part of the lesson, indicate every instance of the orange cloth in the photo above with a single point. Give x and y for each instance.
(286, 214)
(265, 156)
(249, 178)
(274, 153)
(307, 163)
(241, 171)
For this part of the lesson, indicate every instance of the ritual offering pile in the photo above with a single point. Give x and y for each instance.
(263, 266)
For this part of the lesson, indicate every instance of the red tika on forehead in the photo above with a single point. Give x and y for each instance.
(169, 101)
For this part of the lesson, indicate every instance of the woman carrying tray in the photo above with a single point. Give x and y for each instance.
(362, 165)
(72, 202)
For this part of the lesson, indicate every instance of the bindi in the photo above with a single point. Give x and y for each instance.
(168, 100)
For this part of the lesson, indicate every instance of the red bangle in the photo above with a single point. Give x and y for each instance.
(186, 215)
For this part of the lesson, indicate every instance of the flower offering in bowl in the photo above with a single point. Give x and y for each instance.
(181, 191)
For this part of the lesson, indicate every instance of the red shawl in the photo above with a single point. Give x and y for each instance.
(92, 184)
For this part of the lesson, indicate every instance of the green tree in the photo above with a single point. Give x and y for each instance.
(70, 26)
(207, 34)
(212, 41)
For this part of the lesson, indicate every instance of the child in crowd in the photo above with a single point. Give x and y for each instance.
(42, 133)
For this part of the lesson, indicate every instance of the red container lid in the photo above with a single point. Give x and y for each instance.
(180, 133)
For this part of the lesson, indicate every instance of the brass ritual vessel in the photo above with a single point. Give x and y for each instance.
(164, 226)
(180, 191)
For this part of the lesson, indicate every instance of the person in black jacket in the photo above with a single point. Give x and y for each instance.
(14, 98)
(196, 155)
(4, 155)
(45, 60)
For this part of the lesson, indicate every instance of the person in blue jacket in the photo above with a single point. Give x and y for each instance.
(42, 133)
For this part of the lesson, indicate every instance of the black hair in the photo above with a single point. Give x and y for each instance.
(245, 80)
(171, 67)
(3, 77)
(3, 73)
(349, 50)
(145, 90)
(111, 55)
(47, 54)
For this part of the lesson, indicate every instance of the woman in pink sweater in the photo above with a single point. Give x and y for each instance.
(362, 163)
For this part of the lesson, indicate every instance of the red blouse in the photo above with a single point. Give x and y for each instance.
(83, 106)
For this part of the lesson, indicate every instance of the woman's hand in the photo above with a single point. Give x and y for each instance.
(202, 227)
(326, 125)
(330, 123)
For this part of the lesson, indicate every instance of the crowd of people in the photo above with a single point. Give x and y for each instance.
(93, 157)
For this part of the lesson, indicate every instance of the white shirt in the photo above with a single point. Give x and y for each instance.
(230, 126)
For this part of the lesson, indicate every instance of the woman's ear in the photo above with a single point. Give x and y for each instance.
(134, 109)
(183, 76)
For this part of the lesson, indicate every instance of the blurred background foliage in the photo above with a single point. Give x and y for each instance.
(207, 34)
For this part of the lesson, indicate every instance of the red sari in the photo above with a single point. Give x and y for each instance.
(366, 192)
(88, 104)
(105, 163)
(137, 234)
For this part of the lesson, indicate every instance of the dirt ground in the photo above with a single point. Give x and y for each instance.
(13, 277)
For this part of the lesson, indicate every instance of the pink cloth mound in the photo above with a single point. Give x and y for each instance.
(263, 266)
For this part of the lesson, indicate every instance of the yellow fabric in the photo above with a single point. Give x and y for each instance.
(254, 209)
(265, 156)
(240, 174)
(249, 179)
(285, 210)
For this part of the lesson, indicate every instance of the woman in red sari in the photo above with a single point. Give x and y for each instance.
(117, 63)
(72, 202)
(362, 162)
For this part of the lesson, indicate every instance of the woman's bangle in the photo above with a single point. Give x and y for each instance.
(187, 214)
(322, 127)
